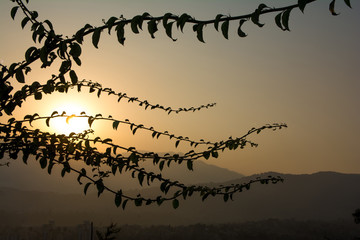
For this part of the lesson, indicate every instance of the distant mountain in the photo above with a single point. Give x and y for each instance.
(32, 177)
(319, 196)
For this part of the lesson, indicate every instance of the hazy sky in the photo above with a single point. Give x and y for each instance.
(307, 78)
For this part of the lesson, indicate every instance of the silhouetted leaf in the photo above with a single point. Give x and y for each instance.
(332, 8)
(206, 155)
(43, 162)
(29, 52)
(175, 203)
(24, 22)
(118, 198)
(278, 21)
(285, 19)
(49, 24)
(73, 77)
(152, 27)
(166, 18)
(120, 32)
(182, 20)
(124, 204)
(255, 18)
(86, 187)
(168, 30)
(190, 165)
(75, 50)
(302, 4)
(217, 20)
(13, 12)
(100, 186)
(225, 29)
(138, 202)
(240, 32)
(348, 3)
(111, 22)
(199, 32)
(115, 125)
(136, 23)
(38, 96)
(20, 76)
(96, 37)
(48, 122)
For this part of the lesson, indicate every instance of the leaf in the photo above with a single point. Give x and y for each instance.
(20, 76)
(226, 197)
(177, 143)
(190, 165)
(111, 22)
(44, 55)
(24, 22)
(29, 53)
(348, 3)
(206, 155)
(152, 27)
(49, 24)
(255, 18)
(48, 121)
(175, 203)
(135, 23)
(100, 187)
(225, 29)
(214, 154)
(96, 37)
(120, 32)
(302, 5)
(217, 20)
(138, 202)
(182, 20)
(240, 32)
(38, 96)
(285, 19)
(124, 204)
(13, 12)
(168, 30)
(166, 18)
(51, 164)
(332, 8)
(115, 124)
(118, 198)
(75, 50)
(141, 178)
(73, 77)
(199, 32)
(278, 21)
(86, 187)
(43, 162)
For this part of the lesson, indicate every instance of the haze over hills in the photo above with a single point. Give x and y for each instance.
(32, 177)
(319, 196)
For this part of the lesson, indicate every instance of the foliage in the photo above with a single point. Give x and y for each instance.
(111, 230)
(58, 149)
(356, 216)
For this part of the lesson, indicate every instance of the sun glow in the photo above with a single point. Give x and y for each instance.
(72, 123)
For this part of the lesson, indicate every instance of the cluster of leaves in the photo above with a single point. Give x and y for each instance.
(63, 150)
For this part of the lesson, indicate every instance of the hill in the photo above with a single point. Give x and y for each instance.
(319, 196)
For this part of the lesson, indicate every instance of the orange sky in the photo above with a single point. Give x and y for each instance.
(307, 78)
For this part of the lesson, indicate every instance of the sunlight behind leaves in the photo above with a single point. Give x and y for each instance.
(73, 122)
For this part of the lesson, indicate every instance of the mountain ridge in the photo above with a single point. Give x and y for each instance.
(318, 196)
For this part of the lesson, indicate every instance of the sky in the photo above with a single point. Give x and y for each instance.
(306, 78)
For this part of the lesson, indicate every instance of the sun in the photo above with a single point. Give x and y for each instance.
(73, 123)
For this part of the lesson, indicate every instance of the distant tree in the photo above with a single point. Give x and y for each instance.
(18, 136)
(356, 216)
(111, 230)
